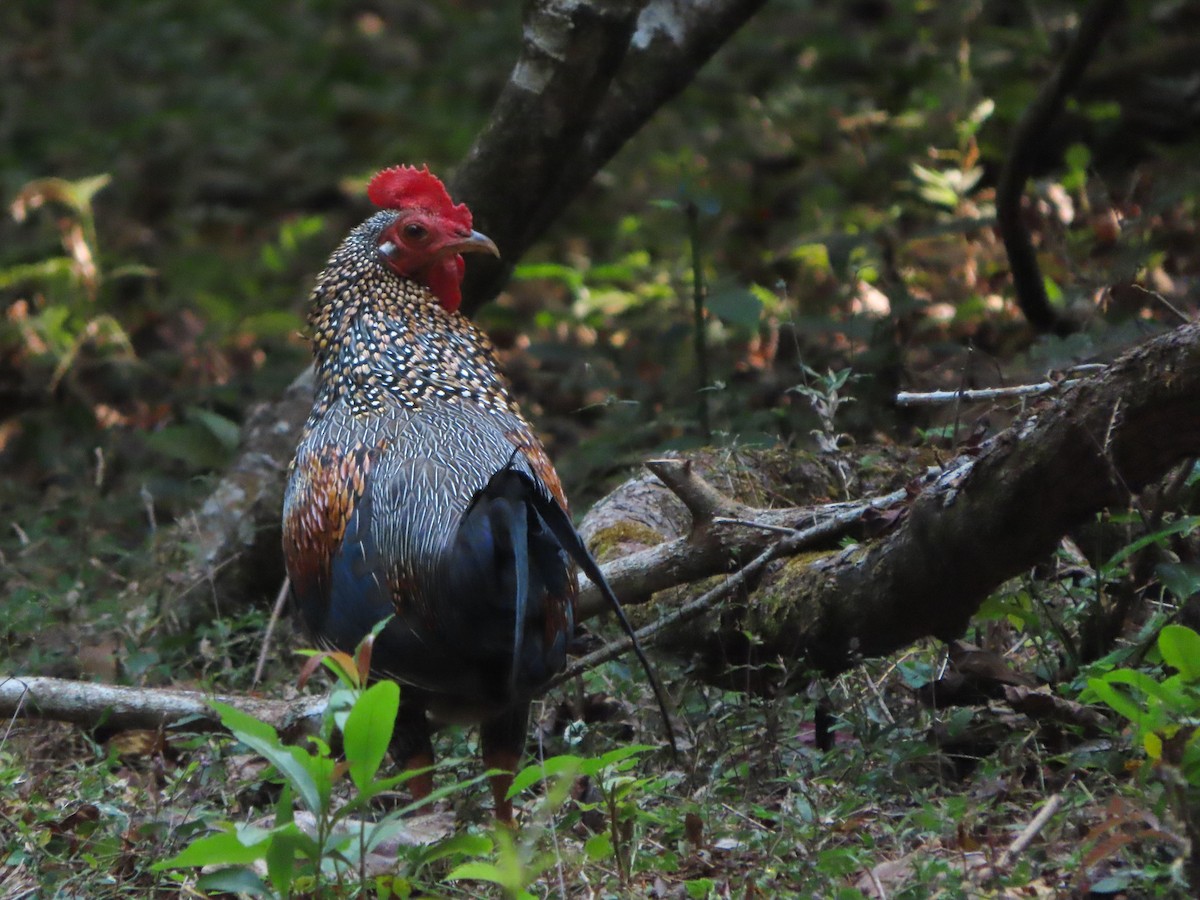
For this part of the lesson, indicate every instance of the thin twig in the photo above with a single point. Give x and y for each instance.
(920, 398)
(276, 614)
(746, 523)
(1017, 847)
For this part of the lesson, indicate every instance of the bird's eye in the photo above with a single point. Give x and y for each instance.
(415, 232)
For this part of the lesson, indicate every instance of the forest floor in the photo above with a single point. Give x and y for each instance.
(843, 163)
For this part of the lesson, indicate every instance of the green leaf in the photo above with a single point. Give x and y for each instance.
(1142, 682)
(281, 862)
(44, 270)
(1181, 579)
(227, 432)
(623, 753)
(478, 871)
(1180, 649)
(223, 849)
(813, 256)
(293, 763)
(237, 880)
(550, 272)
(191, 443)
(1153, 744)
(599, 846)
(1118, 700)
(274, 323)
(462, 844)
(738, 306)
(534, 773)
(368, 731)
(1184, 525)
(84, 190)
(1078, 157)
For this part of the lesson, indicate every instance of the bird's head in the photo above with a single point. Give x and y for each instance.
(426, 240)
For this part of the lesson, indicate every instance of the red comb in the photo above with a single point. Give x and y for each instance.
(407, 187)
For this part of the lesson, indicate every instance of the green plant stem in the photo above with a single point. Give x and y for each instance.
(701, 340)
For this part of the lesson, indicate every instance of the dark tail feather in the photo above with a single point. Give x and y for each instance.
(570, 540)
(512, 518)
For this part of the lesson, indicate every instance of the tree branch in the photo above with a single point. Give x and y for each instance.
(584, 116)
(569, 55)
(91, 705)
(1022, 259)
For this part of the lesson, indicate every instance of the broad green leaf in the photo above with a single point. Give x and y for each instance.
(77, 195)
(292, 762)
(813, 256)
(1118, 700)
(43, 270)
(1181, 579)
(599, 846)
(622, 753)
(532, 774)
(227, 432)
(550, 271)
(236, 880)
(1160, 690)
(281, 861)
(462, 844)
(1078, 157)
(1180, 649)
(478, 871)
(368, 731)
(222, 849)
(284, 811)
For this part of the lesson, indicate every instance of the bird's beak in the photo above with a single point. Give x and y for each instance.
(475, 242)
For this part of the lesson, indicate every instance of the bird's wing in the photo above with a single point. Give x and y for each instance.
(420, 521)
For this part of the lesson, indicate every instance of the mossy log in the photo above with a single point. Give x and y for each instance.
(956, 533)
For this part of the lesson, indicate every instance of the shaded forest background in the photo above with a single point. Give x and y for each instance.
(174, 175)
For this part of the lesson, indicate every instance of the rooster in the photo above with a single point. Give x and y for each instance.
(419, 492)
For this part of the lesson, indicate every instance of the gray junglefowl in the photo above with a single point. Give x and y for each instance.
(419, 492)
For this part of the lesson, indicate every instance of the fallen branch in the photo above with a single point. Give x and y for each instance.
(980, 395)
(722, 535)
(119, 708)
(830, 527)
(979, 523)
(983, 395)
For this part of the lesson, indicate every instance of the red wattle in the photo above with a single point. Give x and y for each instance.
(444, 281)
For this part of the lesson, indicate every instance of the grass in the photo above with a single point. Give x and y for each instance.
(901, 801)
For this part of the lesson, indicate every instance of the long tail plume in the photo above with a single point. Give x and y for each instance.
(569, 538)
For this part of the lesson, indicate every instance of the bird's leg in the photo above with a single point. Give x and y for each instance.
(501, 741)
(412, 748)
